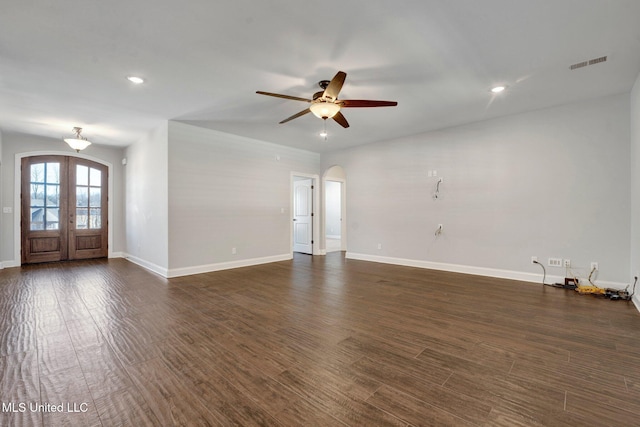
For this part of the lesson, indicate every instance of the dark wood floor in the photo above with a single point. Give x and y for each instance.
(317, 341)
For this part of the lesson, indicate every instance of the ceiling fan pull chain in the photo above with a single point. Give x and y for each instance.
(324, 131)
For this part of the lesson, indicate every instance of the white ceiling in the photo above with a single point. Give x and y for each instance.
(63, 63)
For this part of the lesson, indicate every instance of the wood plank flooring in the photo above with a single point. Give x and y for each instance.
(316, 341)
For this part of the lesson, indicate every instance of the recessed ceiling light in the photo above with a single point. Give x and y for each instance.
(135, 79)
(498, 89)
(323, 134)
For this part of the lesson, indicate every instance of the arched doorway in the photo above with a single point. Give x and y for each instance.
(335, 229)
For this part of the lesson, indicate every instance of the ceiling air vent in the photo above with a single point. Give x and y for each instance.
(597, 60)
(579, 65)
(589, 62)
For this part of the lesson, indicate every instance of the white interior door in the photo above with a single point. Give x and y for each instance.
(303, 215)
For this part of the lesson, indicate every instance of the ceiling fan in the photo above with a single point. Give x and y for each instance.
(325, 103)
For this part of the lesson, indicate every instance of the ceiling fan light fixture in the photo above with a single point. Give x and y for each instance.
(77, 142)
(325, 104)
(324, 109)
(498, 89)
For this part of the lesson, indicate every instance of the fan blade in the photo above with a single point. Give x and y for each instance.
(335, 85)
(341, 120)
(277, 95)
(357, 103)
(295, 116)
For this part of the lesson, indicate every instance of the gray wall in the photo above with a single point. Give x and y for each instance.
(2, 215)
(226, 192)
(146, 201)
(14, 143)
(549, 183)
(635, 184)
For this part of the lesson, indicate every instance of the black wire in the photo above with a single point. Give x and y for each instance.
(544, 272)
(634, 287)
(591, 274)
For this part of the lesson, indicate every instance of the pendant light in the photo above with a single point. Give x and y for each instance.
(77, 142)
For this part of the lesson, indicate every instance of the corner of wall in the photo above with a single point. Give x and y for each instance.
(635, 182)
(1, 199)
(146, 200)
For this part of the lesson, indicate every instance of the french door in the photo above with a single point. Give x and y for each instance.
(64, 209)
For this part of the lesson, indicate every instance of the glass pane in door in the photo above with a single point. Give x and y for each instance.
(53, 173)
(53, 194)
(96, 218)
(37, 194)
(95, 177)
(44, 196)
(37, 172)
(82, 218)
(82, 175)
(52, 218)
(88, 198)
(95, 197)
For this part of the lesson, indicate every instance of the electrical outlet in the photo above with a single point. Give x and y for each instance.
(555, 262)
(594, 265)
(379, 245)
(534, 259)
(233, 251)
(567, 263)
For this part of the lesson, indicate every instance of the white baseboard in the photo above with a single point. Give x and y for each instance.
(146, 264)
(9, 264)
(478, 271)
(198, 269)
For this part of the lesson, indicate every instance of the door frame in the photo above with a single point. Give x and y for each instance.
(315, 246)
(17, 232)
